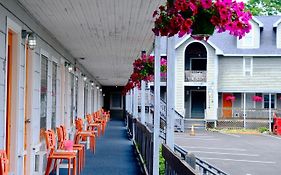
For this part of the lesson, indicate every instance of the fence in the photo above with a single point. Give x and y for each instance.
(174, 164)
(248, 118)
(201, 167)
(143, 141)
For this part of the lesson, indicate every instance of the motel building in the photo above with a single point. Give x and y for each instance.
(63, 65)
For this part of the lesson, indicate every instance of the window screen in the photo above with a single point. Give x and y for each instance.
(43, 97)
(54, 94)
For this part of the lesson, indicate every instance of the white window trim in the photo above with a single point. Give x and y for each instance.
(244, 65)
(275, 100)
(45, 53)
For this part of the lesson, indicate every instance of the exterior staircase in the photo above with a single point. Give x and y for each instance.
(197, 123)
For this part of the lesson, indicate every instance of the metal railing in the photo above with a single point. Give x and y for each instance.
(179, 119)
(174, 164)
(195, 76)
(143, 140)
(202, 167)
(251, 113)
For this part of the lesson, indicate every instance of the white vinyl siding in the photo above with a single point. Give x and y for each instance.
(212, 79)
(180, 52)
(265, 75)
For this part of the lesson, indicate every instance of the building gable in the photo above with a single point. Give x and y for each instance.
(252, 39)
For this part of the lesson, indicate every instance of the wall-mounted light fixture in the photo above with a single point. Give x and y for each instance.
(98, 87)
(30, 38)
(92, 82)
(68, 66)
(103, 95)
(101, 90)
(84, 77)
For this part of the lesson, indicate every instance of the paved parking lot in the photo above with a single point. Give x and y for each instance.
(235, 154)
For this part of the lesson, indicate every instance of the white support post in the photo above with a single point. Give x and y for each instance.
(269, 113)
(131, 101)
(171, 92)
(244, 109)
(135, 113)
(156, 122)
(127, 101)
(143, 102)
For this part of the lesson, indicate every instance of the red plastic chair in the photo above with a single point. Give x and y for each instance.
(4, 163)
(53, 154)
(82, 135)
(92, 125)
(61, 132)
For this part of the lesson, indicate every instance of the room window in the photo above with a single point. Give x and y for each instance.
(266, 101)
(248, 66)
(85, 99)
(54, 94)
(72, 105)
(43, 96)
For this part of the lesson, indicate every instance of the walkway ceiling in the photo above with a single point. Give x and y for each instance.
(109, 34)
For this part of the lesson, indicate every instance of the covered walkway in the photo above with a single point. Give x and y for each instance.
(114, 153)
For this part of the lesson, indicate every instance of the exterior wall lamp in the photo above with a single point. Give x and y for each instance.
(92, 82)
(30, 38)
(68, 65)
(98, 87)
(84, 77)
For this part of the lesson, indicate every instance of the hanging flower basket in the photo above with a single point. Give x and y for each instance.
(257, 98)
(200, 18)
(230, 98)
(144, 70)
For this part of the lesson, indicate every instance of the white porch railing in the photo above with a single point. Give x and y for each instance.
(251, 113)
(195, 76)
(179, 119)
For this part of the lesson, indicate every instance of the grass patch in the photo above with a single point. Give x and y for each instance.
(161, 162)
(238, 131)
(263, 129)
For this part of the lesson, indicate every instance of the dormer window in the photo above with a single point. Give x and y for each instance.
(248, 40)
(252, 39)
(277, 27)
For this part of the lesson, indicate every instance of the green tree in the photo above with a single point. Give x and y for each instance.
(264, 7)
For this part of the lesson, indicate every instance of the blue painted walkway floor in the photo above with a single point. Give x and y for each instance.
(114, 153)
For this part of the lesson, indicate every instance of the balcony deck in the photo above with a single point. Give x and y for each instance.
(114, 153)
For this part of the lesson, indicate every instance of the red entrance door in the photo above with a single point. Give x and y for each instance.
(227, 106)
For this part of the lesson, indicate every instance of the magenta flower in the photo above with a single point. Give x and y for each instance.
(206, 4)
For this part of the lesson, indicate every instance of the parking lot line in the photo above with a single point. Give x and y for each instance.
(234, 154)
(279, 138)
(238, 160)
(233, 135)
(197, 138)
(213, 148)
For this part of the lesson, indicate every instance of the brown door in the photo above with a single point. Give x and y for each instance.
(227, 106)
(9, 94)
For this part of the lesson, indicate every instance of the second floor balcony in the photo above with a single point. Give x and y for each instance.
(195, 76)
